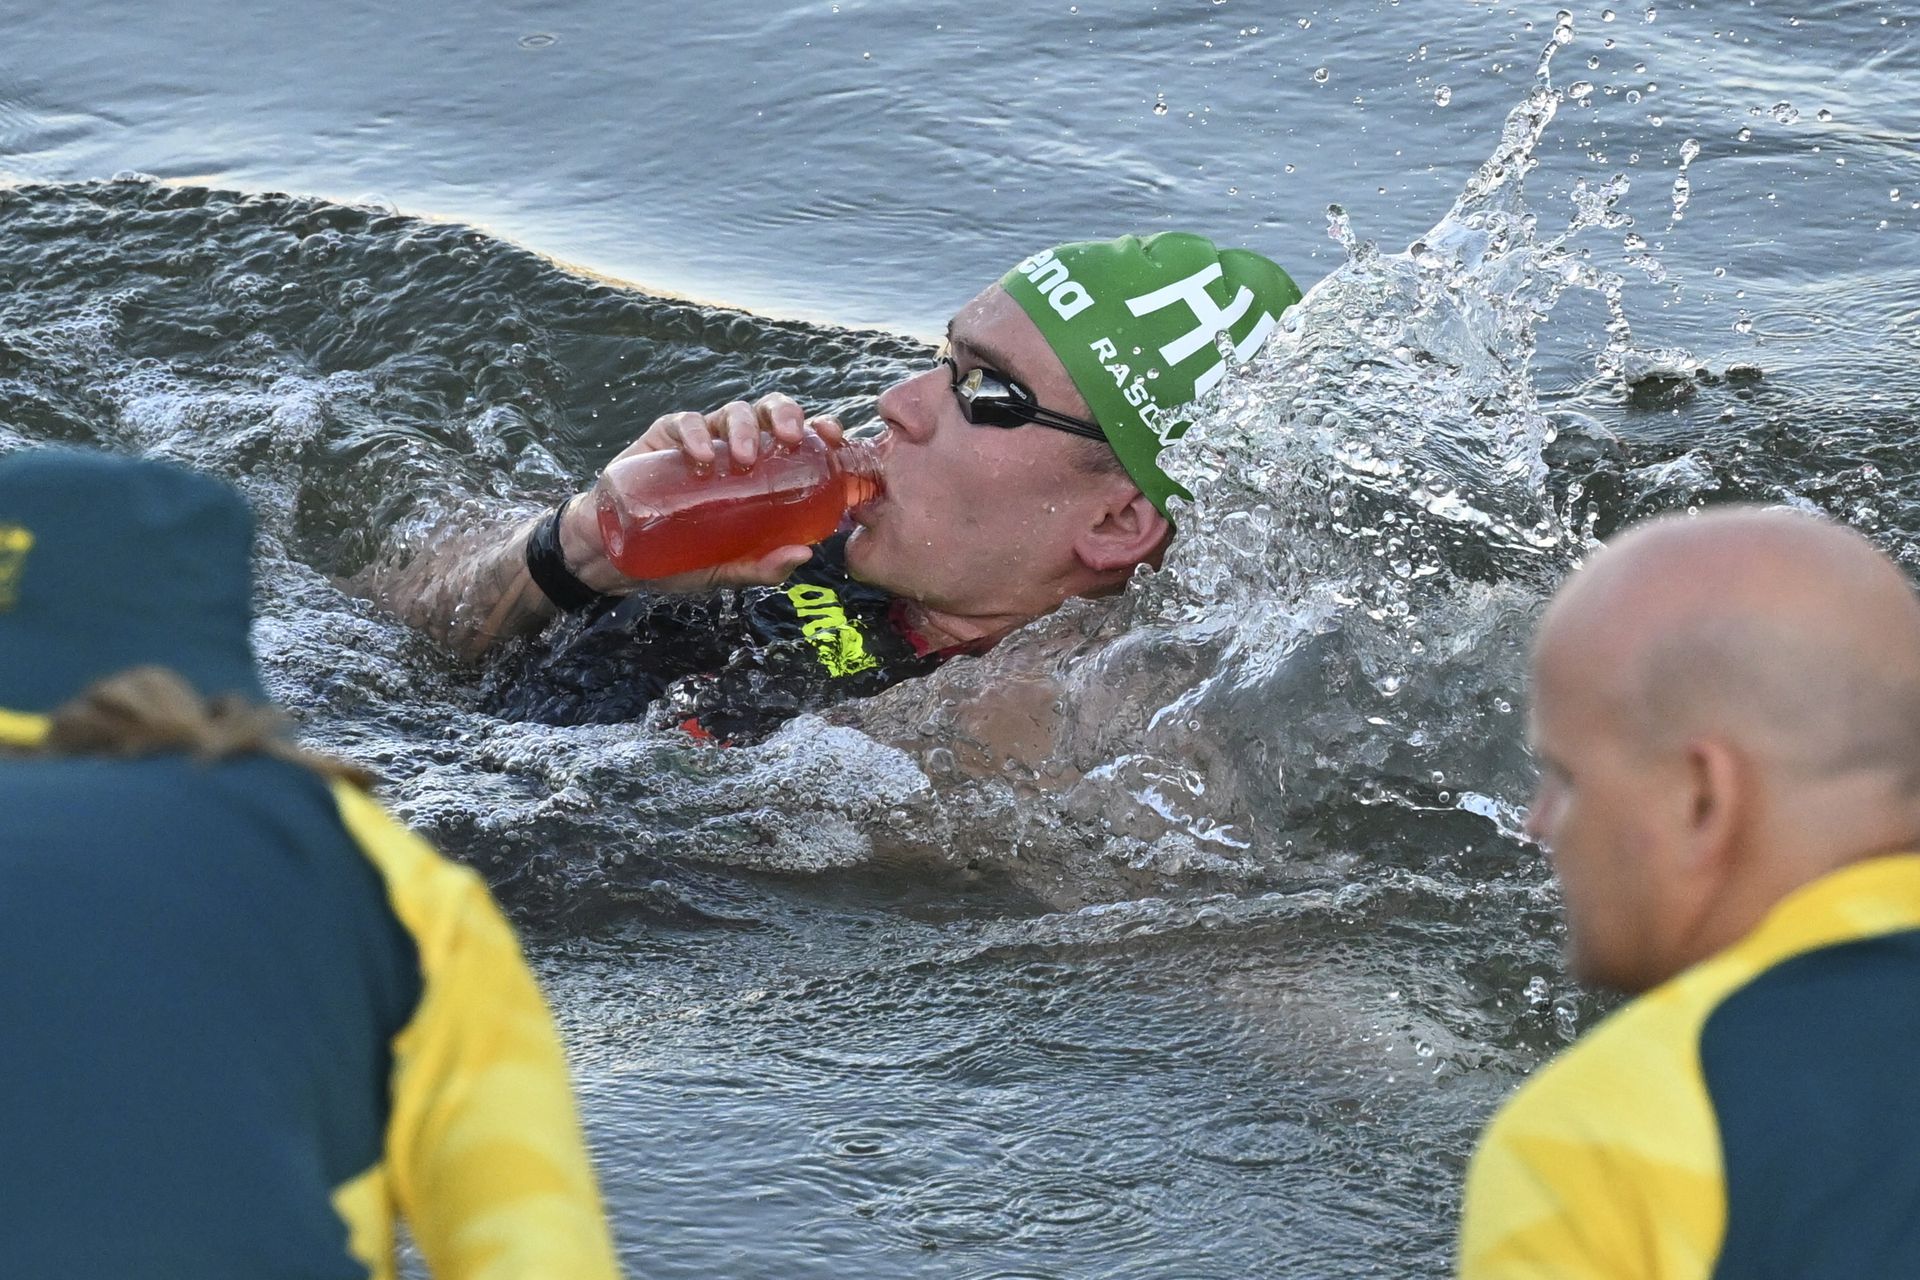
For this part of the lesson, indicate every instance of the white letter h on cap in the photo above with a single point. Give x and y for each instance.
(1212, 319)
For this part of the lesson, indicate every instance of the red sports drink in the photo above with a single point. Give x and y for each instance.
(662, 514)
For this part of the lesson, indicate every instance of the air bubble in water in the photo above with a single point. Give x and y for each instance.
(1442, 96)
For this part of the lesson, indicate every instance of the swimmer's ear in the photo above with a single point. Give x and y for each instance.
(1129, 532)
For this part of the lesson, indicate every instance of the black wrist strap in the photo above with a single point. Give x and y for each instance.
(548, 568)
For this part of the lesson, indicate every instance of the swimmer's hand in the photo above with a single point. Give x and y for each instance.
(735, 427)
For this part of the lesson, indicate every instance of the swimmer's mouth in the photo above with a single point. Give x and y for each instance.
(878, 436)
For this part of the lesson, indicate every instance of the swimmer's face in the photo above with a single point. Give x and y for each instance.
(982, 520)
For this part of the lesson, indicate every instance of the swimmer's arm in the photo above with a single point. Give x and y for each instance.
(471, 591)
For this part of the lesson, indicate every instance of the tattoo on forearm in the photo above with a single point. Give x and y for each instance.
(468, 589)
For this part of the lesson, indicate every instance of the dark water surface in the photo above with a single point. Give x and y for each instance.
(1189, 933)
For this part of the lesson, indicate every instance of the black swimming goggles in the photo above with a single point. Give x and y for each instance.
(989, 398)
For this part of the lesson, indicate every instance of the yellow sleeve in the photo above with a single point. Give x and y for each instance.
(1605, 1164)
(1544, 1208)
(484, 1152)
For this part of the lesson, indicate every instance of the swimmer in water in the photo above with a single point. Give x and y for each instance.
(1727, 717)
(1021, 469)
(249, 1020)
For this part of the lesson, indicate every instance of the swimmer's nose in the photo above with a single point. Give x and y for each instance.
(913, 405)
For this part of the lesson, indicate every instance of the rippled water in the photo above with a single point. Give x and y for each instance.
(1188, 932)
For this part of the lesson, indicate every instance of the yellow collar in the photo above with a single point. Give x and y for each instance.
(1875, 896)
(22, 729)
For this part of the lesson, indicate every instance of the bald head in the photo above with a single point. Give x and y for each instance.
(1789, 634)
(1725, 707)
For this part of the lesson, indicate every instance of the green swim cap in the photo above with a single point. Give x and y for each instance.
(1136, 323)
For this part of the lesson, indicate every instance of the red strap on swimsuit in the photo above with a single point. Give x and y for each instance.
(897, 616)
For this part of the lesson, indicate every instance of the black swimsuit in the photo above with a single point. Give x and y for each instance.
(732, 665)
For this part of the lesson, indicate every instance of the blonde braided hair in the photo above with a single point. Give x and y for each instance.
(151, 710)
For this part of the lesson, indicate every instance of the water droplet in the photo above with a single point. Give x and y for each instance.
(866, 56)
(1633, 96)
(1784, 112)
(1745, 134)
(1321, 75)
(1607, 15)
(1894, 195)
(1650, 14)
(1159, 106)
(1744, 324)
(1442, 96)
(1580, 91)
(1824, 116)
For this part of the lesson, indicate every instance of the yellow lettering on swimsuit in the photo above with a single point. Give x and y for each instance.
(841, 648)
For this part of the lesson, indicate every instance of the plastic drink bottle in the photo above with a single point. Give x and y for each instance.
(661, 513)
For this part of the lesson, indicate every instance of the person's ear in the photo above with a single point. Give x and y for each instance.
(1129, 531)
(1716, 794)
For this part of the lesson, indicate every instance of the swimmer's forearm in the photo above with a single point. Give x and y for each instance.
(473, 593)
(470, 593)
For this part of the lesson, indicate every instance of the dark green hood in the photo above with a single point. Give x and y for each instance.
(108, 563)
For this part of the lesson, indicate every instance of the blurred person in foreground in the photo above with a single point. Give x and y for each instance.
(1727, 717)
(1022, 468)
(249, 1020)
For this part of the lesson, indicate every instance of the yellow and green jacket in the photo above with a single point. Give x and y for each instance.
(247, 1022)
(1753, 1117)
